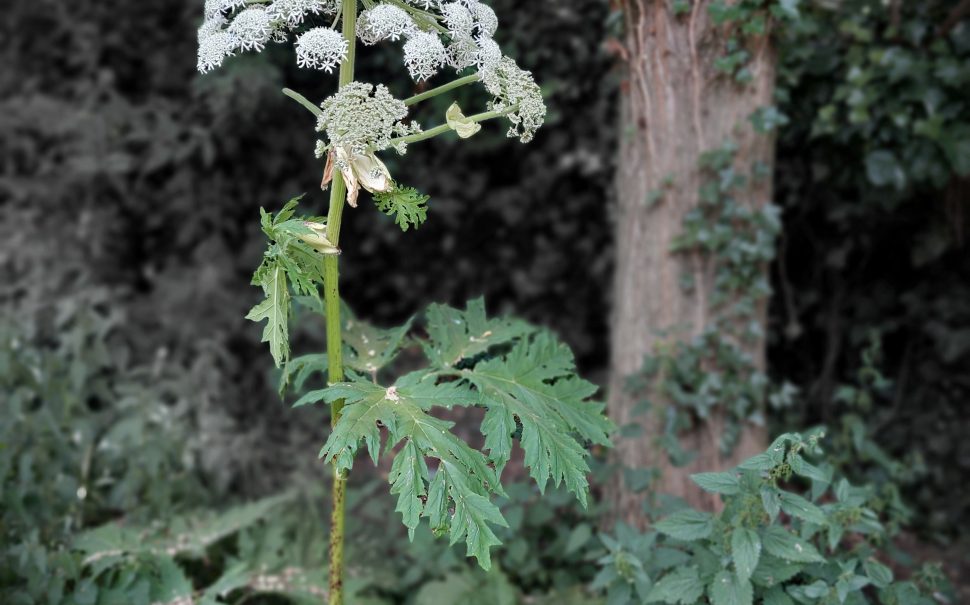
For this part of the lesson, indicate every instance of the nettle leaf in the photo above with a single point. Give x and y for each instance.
(785, 545)
(687, 524)
(275, 309)
(719, 483)
(745, 551)
(406, 204)
(455, 335)
(727, 589)
(463, 478)
(796, 506)
(683, 585)
(535, 386)
(772, 571)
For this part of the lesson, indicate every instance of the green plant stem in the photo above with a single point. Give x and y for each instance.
(331, 272)
(434, 92)
(443, 128)
(305, 102)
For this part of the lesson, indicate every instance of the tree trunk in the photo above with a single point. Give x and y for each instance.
(675, 107)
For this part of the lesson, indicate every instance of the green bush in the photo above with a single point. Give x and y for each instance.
(772, 543)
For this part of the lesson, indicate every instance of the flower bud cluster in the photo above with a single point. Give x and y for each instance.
(362, 118)
(516, 91)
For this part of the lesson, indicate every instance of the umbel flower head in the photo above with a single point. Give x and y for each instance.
(361, 119)
(321, 48)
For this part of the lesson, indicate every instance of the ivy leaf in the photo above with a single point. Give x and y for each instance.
(718, 483)
(274, 309)
(785, 545)
(683, 585)
(535, 385)
(726, 589)
(406, 204)
(457, 335)
(745, 550)
(687, 524)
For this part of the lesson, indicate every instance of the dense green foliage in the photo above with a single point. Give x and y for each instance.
(109, 151)
(773, 543)
(872, 178)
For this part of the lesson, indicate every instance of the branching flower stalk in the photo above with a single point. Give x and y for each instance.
(523, 376)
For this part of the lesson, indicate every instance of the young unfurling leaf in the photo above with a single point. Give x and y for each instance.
(408, 207)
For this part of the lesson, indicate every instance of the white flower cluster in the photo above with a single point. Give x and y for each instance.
(321, 48)
(467, 27)
(232, 25)
(362, 118)
(514, 89)
(384, 22)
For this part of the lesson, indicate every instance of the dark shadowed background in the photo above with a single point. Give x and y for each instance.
(130, 190)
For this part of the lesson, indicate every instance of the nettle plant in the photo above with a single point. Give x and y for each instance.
(774, 542)
(523, 377)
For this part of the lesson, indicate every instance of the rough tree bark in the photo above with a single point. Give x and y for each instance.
(675, 106)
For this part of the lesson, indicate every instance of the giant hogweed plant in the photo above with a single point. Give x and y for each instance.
(523, 377)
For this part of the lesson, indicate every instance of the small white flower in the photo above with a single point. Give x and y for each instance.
(424, 54)
(486, 22)
(211, 26)
(292, 12)
(489, 53)
(458, 19)
(214, 48)
(514, 89)
(321, 48)
(252, 27)
(462, 52)
(384, 22)
(217, 7)
(423, 4)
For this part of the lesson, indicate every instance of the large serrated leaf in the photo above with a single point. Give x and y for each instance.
(686, 524)
(745, 551)
(275, 310)
(718, 483)
(683, 585)
(535, 384)
(783, 544)
(456, 335)
(728, 589)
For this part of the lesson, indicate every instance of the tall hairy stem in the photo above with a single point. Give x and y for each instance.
(338, 193)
